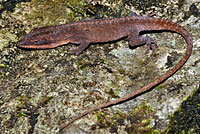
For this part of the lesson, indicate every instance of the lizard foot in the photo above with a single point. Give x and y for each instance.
(74, 51)
(151, 45)
(152, 14)
(83, 45)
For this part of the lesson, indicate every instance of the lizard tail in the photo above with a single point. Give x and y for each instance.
(164, 25)
(161, 24)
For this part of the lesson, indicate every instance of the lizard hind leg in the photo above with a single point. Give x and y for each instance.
(149, 42)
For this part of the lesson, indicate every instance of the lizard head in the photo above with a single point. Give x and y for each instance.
(41, 38)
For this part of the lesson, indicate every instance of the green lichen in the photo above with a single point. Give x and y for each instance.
(23, 101)
(158, 87)
(25, 106)
(6, 36)
(83, 64)
(185, 119)
(139, 119)
(55, 12)
(102, 60)
(78, 7)
(4, 66)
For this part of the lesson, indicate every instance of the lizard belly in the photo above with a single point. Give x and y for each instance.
(105, 33)
(106, 36)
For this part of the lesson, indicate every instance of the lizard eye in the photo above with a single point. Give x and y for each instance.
(36, 42)
(40, 42)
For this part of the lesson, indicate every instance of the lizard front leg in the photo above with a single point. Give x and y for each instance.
(81, 39)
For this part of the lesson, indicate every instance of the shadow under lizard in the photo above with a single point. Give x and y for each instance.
(105, 30)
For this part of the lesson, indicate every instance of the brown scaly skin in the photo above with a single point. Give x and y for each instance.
(105, 30)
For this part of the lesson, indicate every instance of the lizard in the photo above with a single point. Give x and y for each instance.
(94, 31)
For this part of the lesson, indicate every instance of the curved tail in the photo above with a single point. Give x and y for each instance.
(160, 24)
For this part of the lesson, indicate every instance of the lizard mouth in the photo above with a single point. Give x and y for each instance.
(42, 44)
